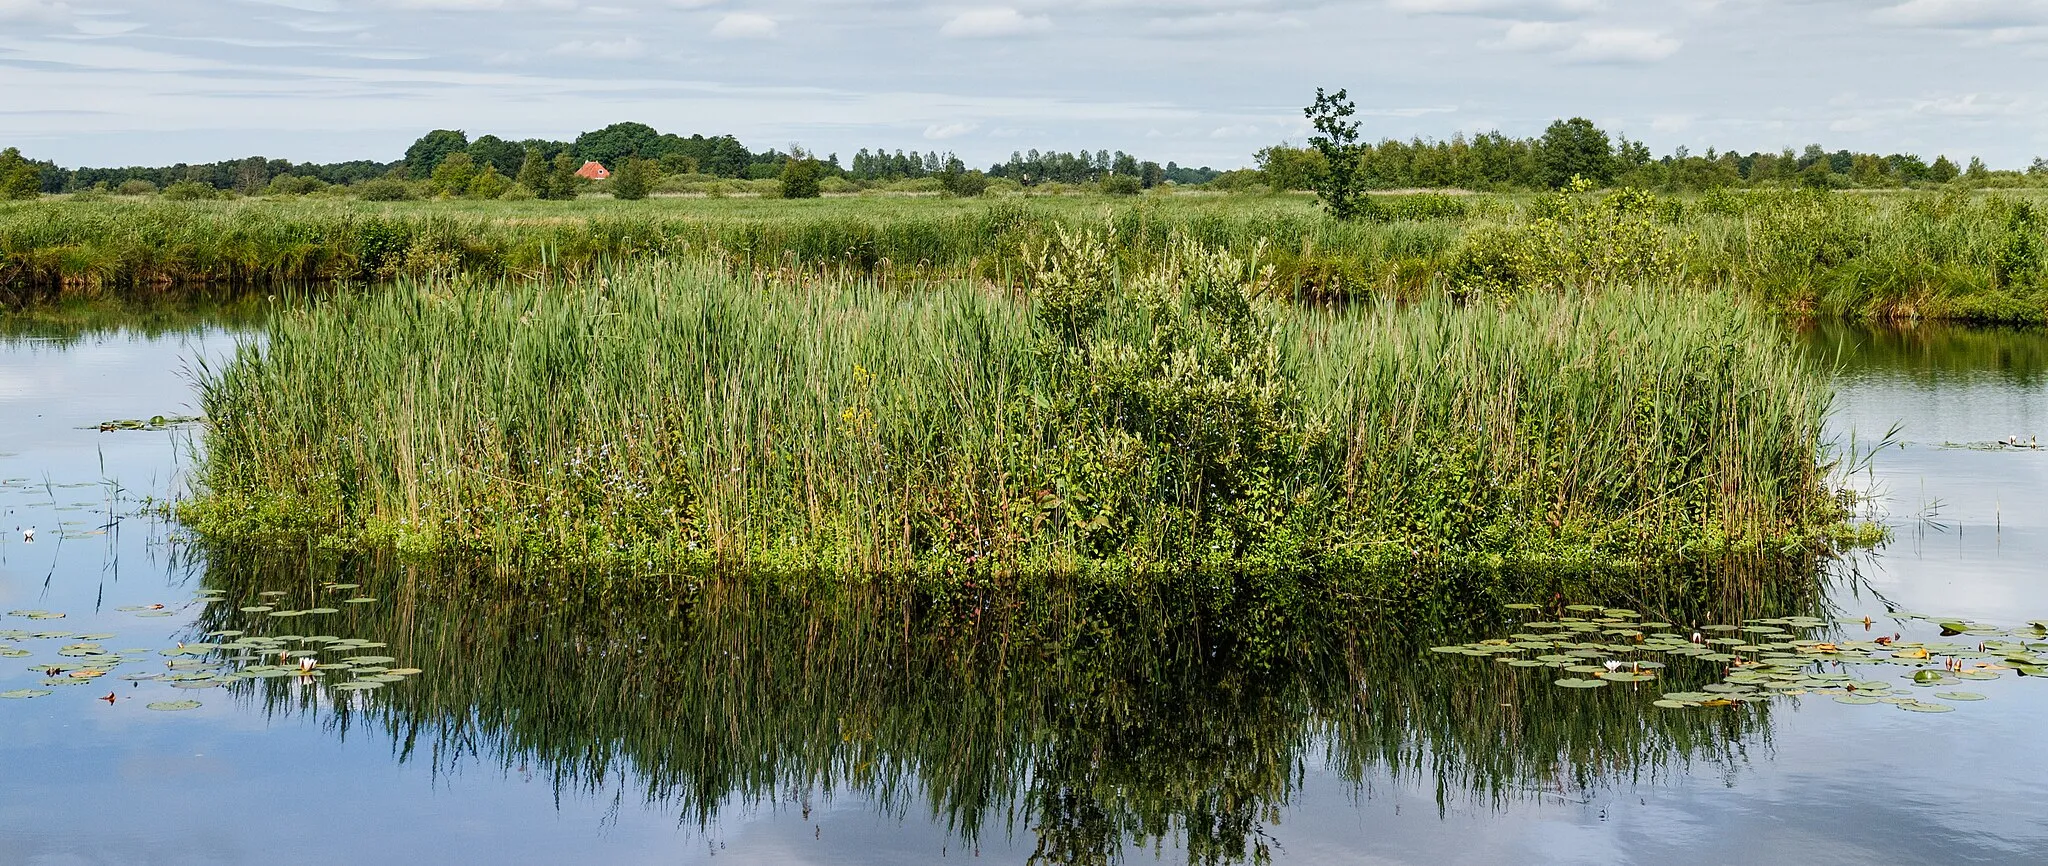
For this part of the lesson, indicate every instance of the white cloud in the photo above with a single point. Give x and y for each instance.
(37, 10)
(1498, 8)
(1621, 46)
(1964, 13)
(1571, 43)
(601, 49)
(1237, 23)
(943, 131)
(1239, 130)
(994, 21)
(745, 25)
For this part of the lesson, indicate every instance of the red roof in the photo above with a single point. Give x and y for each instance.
(594, 170)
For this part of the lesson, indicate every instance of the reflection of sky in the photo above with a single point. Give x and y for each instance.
(85, 782)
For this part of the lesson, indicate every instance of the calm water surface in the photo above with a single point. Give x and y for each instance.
(776, 729)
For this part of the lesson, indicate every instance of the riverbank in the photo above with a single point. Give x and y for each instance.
(1905, 255)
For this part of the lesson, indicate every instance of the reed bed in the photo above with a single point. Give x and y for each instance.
(676, 417)
(1904, 255)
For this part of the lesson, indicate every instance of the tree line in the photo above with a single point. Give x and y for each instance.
(1336, 158)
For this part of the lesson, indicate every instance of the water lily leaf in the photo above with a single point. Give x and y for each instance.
(1670, 704)
(1959, 696)
(1854, 699)
(175, 706)
(359, 600)
(1575, 683)
(25, 694)
(1923, 707)
(359, 686)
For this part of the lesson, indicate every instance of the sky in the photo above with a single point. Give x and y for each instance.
(1199, 82)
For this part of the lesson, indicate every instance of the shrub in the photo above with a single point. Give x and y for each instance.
(135, 186)
(1121, 184)
(800, 176)
(190, 190)
(965, 184)
(634, 178)
(384, 189)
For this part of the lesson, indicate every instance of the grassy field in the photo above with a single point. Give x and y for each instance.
(678, 417)
(1939, 255)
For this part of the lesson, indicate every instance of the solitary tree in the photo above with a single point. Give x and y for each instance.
(633, 179)
(1342, 185)
(1574, 148)
(800, 175)
(426, 154)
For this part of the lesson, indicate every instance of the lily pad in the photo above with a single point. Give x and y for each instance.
(175, 706)
(25, 694)
(1959, 696)
(1576, 683)
(1924, 707)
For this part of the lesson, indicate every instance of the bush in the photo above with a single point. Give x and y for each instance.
(286, 184)
(190, 190)
(136, 186)
(384, 189)
(634, 178)
(517, 192)
(800, 176)
(1121, 184)
(965, 184)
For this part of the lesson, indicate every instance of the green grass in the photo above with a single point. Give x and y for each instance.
(1938, 255)
(677, 417)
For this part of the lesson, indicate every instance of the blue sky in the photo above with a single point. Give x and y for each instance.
(1197, 81)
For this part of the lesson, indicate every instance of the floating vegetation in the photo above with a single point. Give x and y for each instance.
(154, 422)
(1765, 658)
(226, 657)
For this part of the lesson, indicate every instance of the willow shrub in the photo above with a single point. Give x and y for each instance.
(675, 416)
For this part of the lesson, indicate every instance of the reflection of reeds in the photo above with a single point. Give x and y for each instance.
(1091, 716)
(677, 417)
(1910, 255)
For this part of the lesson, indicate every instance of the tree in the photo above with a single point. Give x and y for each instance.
(613, 144)
(1942, 171)
(495, 152)
(1288, 168)
(959, 181)
(1120, 184)
(634, 179)
(1342, 185)
(1574, 148)
(426, 154)
(19, 178)
(1150, 174)
(800, 174)
(1977, 169)
(488, 183)
(454, 175)
(563, 182)
(534, 174)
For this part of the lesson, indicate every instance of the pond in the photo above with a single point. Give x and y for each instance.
(773, 726)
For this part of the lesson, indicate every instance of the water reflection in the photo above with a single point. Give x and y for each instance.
(1092, 719)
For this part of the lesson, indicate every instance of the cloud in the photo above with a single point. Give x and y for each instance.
(943, 131)
(1241, 22)
(993, 22)
(1621, 46)
(601, 49)
(745, 25)
(1499, 8)
(1572, 44)
(1958, 14)
(34, 10)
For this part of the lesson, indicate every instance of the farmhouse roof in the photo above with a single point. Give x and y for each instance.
(594, 170)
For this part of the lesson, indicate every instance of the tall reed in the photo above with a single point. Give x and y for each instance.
(675, 416)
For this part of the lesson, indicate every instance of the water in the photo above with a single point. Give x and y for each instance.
(765, 726)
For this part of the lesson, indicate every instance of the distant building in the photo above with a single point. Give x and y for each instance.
(593, 170)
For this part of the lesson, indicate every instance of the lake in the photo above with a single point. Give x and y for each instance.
(755, 725)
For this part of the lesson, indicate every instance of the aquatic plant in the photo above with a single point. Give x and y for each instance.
(677, 416)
